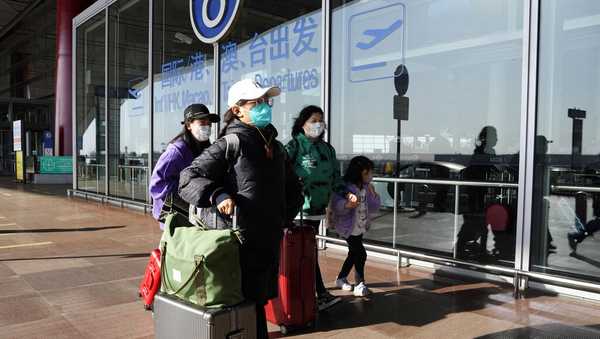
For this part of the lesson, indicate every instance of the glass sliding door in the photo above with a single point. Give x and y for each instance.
(183, 71)
(128, 99)
(280, 47)
(90, 105)
(458, 121)
(566, 196)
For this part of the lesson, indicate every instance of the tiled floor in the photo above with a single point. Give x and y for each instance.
(70, 269)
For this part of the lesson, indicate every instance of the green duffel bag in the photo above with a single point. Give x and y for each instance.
(198, 265)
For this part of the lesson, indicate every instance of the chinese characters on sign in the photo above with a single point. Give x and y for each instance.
(273, 45)
(182, 82)
(286, 56)
(173, 73)
(186, 80)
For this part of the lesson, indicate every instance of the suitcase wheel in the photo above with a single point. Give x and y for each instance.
(148, 307)
(283, 329)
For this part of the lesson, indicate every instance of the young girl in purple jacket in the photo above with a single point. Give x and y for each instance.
(352, 220)
(180, 153)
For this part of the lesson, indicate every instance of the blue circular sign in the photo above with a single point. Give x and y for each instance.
(211, 19)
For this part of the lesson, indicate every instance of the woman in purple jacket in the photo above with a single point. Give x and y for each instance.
(180, 153)
(353, 218)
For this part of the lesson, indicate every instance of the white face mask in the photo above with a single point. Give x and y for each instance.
(201, 133)
(315, 129)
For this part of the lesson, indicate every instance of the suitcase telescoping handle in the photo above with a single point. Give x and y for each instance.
(233, 217)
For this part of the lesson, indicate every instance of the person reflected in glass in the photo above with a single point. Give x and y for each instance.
(181, 151)
(471, 241)
(543, 246)
(315, 162)
(583, 230)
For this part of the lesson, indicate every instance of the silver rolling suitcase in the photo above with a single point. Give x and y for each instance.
(176, 319)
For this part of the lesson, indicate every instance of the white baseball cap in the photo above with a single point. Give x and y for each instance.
(249, 89)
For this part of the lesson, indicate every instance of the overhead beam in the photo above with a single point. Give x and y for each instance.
(16, 20)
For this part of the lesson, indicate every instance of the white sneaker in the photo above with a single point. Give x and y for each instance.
(343, 284)
(361, 290)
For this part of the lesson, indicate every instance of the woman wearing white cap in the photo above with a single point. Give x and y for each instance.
(258, 180)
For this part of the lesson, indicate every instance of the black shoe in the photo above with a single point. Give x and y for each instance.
(326, 300)
(572, 242)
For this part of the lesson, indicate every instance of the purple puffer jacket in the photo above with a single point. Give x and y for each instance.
(343, 218)
(165, 176)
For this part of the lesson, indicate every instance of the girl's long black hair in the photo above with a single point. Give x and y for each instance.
(354, 171)
(304, 115)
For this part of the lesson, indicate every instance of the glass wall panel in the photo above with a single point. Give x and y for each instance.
(567, 163)
(128, 102)
(458, 120)
(183, 70)
(277, 44)
(90, 105)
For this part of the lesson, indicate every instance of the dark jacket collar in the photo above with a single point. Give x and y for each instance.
(238, 127)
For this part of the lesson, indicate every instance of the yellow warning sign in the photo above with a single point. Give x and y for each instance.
(19, 168)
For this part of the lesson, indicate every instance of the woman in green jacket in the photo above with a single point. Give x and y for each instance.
(315, 162)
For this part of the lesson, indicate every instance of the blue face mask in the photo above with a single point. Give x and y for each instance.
(260, 115)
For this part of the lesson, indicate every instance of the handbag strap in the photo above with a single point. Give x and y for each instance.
(232, 148)
(167, 208)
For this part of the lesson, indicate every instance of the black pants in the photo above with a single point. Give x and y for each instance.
(261, 322)
(471, 242)
(318, 277)
(357, 256)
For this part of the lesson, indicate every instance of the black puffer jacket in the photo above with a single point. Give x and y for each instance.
(258, 186)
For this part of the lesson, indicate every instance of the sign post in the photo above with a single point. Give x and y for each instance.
(18, 149)
(48, 143)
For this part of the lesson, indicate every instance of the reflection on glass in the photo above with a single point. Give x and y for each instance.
(487, 208)
(128, 110)
(276, 45)
(566, 197)
(183, 71)
(459, 119)
(90, 110)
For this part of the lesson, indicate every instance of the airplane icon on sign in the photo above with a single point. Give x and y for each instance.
(379, 35)
(375, 41)
(135, 93)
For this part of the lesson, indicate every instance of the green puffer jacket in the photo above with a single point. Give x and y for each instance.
(317, 165)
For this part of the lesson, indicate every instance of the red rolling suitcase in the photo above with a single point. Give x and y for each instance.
(295, 307)
(151, 281)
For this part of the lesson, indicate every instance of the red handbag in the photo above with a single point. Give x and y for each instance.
(151, 281)
(497, 216)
